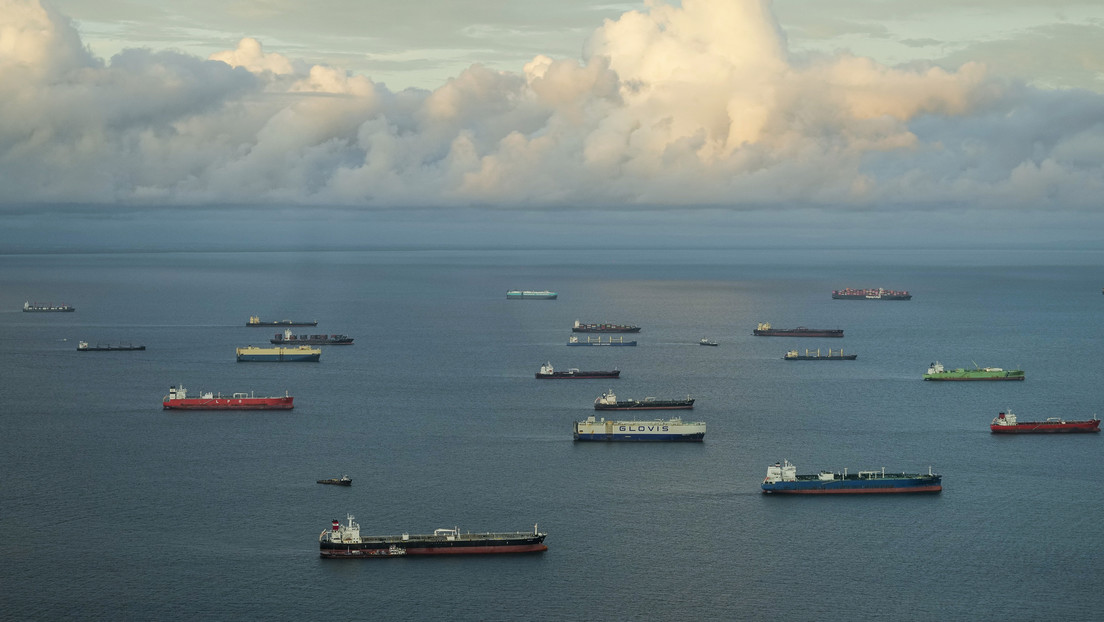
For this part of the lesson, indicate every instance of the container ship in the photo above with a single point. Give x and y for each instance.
(345, 542)
(1005, 423)
(525, 294)
(30, 307)
(848, 293)
(782, 478)
(604, 328)
(547, 372)
(279, 355)
(288, 338)
(83, 346)
(178, 399)
(609, 401)
(598, 341)
(658, 430)
(256, 321)
(765, 330)
(833, 355)
(936, 372)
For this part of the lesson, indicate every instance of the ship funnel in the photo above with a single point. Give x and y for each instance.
(336, 524)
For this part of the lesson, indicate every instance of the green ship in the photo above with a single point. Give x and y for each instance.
(936, 372)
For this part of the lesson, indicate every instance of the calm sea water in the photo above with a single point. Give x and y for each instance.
(111, 508)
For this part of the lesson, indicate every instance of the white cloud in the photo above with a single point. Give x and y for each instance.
(696, 104)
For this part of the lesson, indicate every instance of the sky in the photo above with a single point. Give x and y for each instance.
(847, 107)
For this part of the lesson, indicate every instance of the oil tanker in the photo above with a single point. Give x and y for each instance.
(256, 321)
(598, 341)
(1005, 423)
(936, 372)
(526, 294)
(765, 330)
(794, 355)
(604, 328)
(289, 338)
(848, 293)
(782, 478)
(658, 430)
(178, 399)
(31, 307)
(278, 355)
(84, 346)
(547, 372)
(345, 542)
(609, 401)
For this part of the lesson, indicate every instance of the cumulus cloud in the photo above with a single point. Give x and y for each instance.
(699, 104)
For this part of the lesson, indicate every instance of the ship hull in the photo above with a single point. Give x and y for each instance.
(845, 357)
(646, 406)
(279, 358)
(973, 377)
(846, 488)
(672, 430)
(528, 295)
(605, 329)
(797, 332)
(1043, 427)
(45, 310)
(601, 343)
(617, 437)
(311, 341)
(226, 403)
(579, 375)
(282, 323)
(111, 348)
(383, 548)
(864, 297)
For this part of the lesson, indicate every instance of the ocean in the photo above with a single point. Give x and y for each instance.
(115, 509)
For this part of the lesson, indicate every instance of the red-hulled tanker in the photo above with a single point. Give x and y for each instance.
(178, 399)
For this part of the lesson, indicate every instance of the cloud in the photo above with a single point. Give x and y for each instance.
(700, 104)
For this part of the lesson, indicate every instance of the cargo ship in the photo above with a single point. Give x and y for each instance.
(782, 478)
(609, 401)
(345, 542)
(178, 399)
(598, 341)
(279, 355)
(83, 346)
(833, 355)
(1005, 423)
(936, 372)
(765, 330)
(604, 328)
(706, 342)
(344, 480)
(30, 307)
(256, 321)
(525, 294)
(848, 293)
(547, 372)
(288, 338)
(659, 430)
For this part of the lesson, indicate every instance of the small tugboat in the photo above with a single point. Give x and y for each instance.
(291, 339)
(547, 372)
(597, 341)
(337, 481)
(82, 346)
(609, 401)
(809, 355)
(936, 372)
(764, 330)
(706, 342)
(256, 321)
(782, 478)
(345, 542)
(1005, 423)
(604, 328)
(30, 307)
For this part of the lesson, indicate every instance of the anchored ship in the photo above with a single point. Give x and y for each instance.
(546, 372)
(279, 355)
(936, 372)
(659, 430)
(782, 478)
(1005, 423)
(256, 321)
(833, 355)
(848, 293)
(525, 294)
(598, 341)
(609, 401)
(345, 542)
(82, 346)
(337, 481)
(29, 307)
(765, 330)
(288, 338)
(604, 328)
(178, 399)
(706, 342)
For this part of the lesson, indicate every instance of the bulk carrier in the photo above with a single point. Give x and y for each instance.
(345, 542)
(658, 430)
(782, 478)
(178, 399)
(765, 330)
